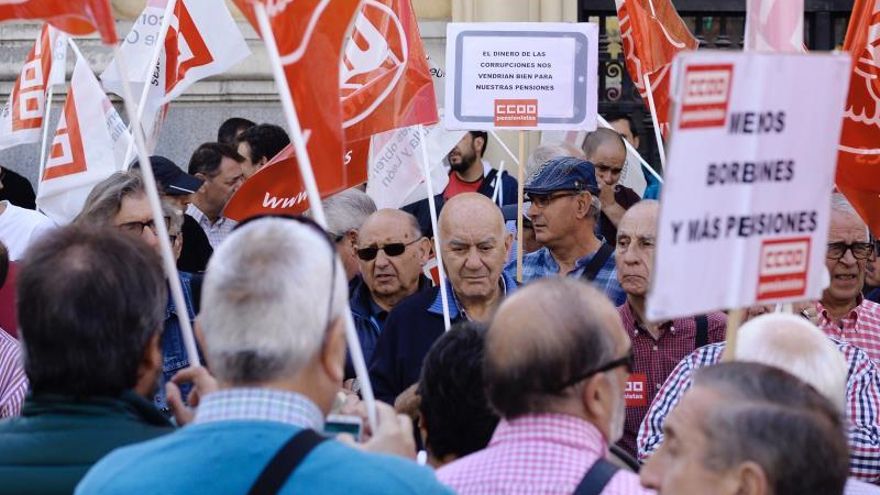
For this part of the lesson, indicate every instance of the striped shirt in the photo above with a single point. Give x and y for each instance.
(537, 453)
(13, 382)
(862, 406)
(861, 327)
(261, 404)
(217, 231)
(541, 264)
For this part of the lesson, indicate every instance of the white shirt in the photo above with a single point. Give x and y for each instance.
(217, 231)
(20, 227)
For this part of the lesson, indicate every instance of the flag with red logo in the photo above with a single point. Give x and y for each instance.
(79, 17)
(21, 120)
(652, 33)
(858, 160)
(775, 26)
(310, 35)
(89, 145)
(202, 41)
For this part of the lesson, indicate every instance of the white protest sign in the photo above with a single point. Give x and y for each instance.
(520, 75)
(745, 207)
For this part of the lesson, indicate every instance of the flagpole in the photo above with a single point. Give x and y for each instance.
(315, 206)
(498, 182)
(432, 206)
(632, 150)
(657, 134)
(154, 60)
(165, 250)
(519, 206)
(46, 116)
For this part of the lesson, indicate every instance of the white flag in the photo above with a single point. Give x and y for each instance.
(89, 145)
(775, 26)
(202, 41)
(395, 173)
(21, 120)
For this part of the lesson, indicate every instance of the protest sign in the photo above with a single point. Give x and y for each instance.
(745, 209)
(521, 76)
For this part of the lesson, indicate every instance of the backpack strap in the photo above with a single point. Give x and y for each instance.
(285, 462)
(702, 336)
(597, 478)
(597, 262)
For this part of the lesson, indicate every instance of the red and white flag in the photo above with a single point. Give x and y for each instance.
(652, 33)
(775, 26)
(21, 120)
(79, 17)
(89, 145)
(202, 41)
(858, 160)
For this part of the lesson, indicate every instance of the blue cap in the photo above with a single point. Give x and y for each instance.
(563, 174)
(172, 180)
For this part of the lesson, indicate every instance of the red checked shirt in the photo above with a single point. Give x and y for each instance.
(654, 361)
(861, 327)
(538, 453)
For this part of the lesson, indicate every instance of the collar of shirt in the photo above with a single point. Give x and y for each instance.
(552, 428)
(825, 319)
(632, 325)
(200, 217)
(261, 404)
(545, 258)
(508, 286)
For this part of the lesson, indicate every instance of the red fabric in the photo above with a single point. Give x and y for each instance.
(652, 35)
(8, 319)
(78, 17)
(858, 161)
(457, 186)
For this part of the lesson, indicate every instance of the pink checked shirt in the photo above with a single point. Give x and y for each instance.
(536, 454)
(13, 382)
(861, 327)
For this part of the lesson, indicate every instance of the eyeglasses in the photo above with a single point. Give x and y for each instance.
(860, 250)
(629, 361)
(137, 228)
(393, 249)
(544, 200)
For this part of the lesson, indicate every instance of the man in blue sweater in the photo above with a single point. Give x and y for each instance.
(273, 322)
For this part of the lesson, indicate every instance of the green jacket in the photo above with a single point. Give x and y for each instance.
(49, 448)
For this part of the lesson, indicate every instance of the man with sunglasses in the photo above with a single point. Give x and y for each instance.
(556, 363)
(391, 252)
(606, 150)
(565, 208)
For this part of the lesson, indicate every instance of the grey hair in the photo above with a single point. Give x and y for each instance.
(105, 199)
(269, 297)
(175, 218)
(546, 152)
(840, 204)
(347, 211)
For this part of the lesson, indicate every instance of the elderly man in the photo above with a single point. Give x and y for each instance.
(391, 253)
(791, 343)
(556, 364)
(605, 149)
(842, 312)
(658, 347)
(564, 210)
(219, 165)
(273, 327)
(749, 429)
(258, 145)
(90, 304)
(346, 212)
(474, 249)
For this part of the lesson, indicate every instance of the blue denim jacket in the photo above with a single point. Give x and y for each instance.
(174, 356)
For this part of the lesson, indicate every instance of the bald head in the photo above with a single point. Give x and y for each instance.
(468, 211)
(602, 137)
(547, 333)
(401, 221)
(605, 148)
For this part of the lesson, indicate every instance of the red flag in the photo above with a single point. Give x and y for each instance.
(858, 160)
(652, 33)
(77, 17)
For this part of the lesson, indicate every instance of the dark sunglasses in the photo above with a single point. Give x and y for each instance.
(860, 250)
(394, 249)
(629, 361)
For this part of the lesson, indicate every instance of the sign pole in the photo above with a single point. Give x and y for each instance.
(432, 206)
(657, 134)
(519, 205)
(604, 123)
(734, 321)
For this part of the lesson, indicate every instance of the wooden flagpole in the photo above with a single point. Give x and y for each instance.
(519, 205)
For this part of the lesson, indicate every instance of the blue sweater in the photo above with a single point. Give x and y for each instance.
(228, 456)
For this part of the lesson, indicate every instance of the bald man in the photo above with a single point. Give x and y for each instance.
(605, 148)
(474, 250)
(391, 252)
(555, 368)
(658, 347)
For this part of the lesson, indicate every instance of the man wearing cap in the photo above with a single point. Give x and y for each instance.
(564, 211)
(177, 188)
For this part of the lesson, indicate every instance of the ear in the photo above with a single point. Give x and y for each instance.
(480, 144)
(752, 479)
(583, 205)
(263, 161)
(203, 177)
(425, 246)
(333, 351)
(199, 333)
(508, 242)
(150, 366)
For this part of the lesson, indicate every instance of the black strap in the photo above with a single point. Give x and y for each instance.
(702, 336)
(285, 462)
(597, 478)
(597, 262)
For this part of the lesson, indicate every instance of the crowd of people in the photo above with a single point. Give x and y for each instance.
(554, 384)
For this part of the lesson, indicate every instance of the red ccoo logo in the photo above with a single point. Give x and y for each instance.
(783, 269)
(516, 113)
(706, 95)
